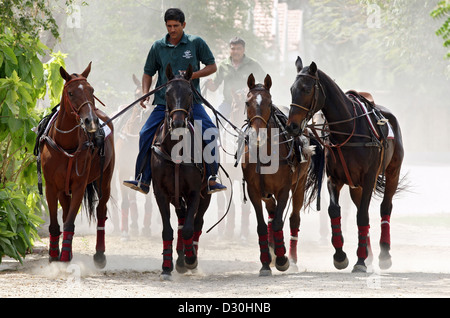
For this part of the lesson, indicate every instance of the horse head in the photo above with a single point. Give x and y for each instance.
(306, 97)
(78, 99)
(259, 108)
(179, 97)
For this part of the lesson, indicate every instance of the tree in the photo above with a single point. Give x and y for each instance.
(442, 10)
(23, 80)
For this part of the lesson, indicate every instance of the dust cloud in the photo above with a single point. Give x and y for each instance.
(419, 97)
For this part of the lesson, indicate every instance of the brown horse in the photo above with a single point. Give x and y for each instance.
(361, 151)
(176, 181)
(77, 162)
(274, 184)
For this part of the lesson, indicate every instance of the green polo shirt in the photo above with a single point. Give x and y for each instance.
(236, 79)
(190, 50)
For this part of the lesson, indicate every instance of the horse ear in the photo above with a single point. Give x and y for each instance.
(313, 68)
(268, 82)
(64, 74)
(299, 64)
(136, 81)
(251, 81)
(86, 72)
(188, 74)
(169, 72)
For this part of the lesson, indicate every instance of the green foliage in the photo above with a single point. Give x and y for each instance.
(25, 17)
(18, 221)
(23, 80)
(442, 10)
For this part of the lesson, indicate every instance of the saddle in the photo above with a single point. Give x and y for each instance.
(367, 105)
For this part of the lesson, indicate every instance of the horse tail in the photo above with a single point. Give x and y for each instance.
(315, 174)
(90, 199)
(380, 185)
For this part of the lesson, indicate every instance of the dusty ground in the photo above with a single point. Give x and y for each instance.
(228, 267)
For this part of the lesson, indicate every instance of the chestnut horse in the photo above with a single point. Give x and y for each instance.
(176, 181)
(363, 150)
(77, 162)
(273, 185)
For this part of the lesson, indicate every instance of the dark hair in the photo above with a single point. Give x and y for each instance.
(237, 40)
(174, 14)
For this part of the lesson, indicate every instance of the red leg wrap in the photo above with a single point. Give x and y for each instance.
(66, 251)
(364, 243)
(53, 250)
(293, 245)
(386, 230)
(167, 254)
(264, 249)
(336, 239)
(280, 249)
(188, 247)
(100, 247)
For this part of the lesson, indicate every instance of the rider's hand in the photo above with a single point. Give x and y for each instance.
(143, 102)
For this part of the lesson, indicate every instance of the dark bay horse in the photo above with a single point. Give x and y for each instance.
(179, 182)
(288, 173)
(363, 150)
(77, 163)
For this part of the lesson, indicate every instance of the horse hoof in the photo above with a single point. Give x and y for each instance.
(166, 277)
(265, 272)
(100, 260)
(180, 266)
(358, 268)
(385, 263)
(282, 263)
(53, 259)
(340, 264)
(191, 265)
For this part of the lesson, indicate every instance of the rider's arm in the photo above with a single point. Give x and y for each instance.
(146, 84)
(206, 71)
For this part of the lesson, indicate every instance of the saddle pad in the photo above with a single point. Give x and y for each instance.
(369, 120)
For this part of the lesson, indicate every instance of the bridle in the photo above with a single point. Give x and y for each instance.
(314, 107)
(266, 122)
(75, 110)
(179, 109)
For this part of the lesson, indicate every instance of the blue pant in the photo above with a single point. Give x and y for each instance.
(147, 134)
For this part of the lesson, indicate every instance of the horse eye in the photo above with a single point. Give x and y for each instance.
(70, 94)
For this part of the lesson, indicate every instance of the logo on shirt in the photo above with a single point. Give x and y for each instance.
(187, 54)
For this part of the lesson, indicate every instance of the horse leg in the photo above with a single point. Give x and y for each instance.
(53, 228)
(392, 179)
(294, 219)
(181, 214)
(362, 219)
(190, 254)
(271, 208)
(167, 235)
(99, 256)
(334, 211)
(281, 261)
(356, 196)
